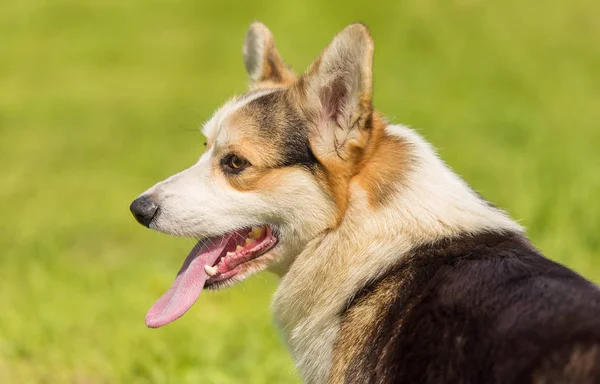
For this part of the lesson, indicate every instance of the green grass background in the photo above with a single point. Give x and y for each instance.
(101, 99)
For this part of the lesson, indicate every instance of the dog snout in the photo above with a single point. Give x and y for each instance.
(144, 209)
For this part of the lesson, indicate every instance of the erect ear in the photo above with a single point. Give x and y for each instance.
(262, 61)
(338, 87)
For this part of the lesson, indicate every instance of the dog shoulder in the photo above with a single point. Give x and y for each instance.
(474, 308)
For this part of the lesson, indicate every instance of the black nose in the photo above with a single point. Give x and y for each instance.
(144, 209)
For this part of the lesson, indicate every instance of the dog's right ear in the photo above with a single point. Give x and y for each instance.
(262, 61)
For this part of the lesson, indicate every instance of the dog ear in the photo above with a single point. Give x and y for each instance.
(262, 61)
(338, 91)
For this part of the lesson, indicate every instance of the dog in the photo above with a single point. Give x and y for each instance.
(392, 269)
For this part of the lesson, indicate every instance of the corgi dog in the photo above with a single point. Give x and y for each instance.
(392, 269)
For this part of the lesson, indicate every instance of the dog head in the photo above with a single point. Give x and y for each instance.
(276, 170)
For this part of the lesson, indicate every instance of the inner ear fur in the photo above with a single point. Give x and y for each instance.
(337, 90)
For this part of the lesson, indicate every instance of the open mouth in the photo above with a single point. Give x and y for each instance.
(212, 260)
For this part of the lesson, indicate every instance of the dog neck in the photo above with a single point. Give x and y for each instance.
(396, 203)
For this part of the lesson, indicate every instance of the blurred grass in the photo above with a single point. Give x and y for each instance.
(99, 100)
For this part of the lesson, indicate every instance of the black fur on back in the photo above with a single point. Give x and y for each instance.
(487, 308)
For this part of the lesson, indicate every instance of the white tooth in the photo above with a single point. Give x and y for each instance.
(248, 242)
(238, 248)
(255, 233)
(228, 254)
(210, 270)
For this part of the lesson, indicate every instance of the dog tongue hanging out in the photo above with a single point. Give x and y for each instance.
(392, 268)
(210, 261)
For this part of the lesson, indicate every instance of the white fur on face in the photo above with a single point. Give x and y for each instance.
(199, 202)
(214, 125)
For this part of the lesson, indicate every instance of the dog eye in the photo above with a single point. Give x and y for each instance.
(234, 163)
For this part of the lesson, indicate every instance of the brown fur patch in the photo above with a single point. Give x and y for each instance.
(357, 327)
(265, 179)
(271, 134)
(335, 178)
(386, 162)
(378, 162)
(247, 144)
(245, 139)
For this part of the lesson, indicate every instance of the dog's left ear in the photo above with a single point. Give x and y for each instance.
(262, 61)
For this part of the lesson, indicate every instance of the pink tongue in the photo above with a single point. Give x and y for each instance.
(188, 284)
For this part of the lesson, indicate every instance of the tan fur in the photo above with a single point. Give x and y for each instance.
(264, 179)
(246, 138)
(356, 326)
(336, 179)
(243, 139)
(378, 166)
(385, 164)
